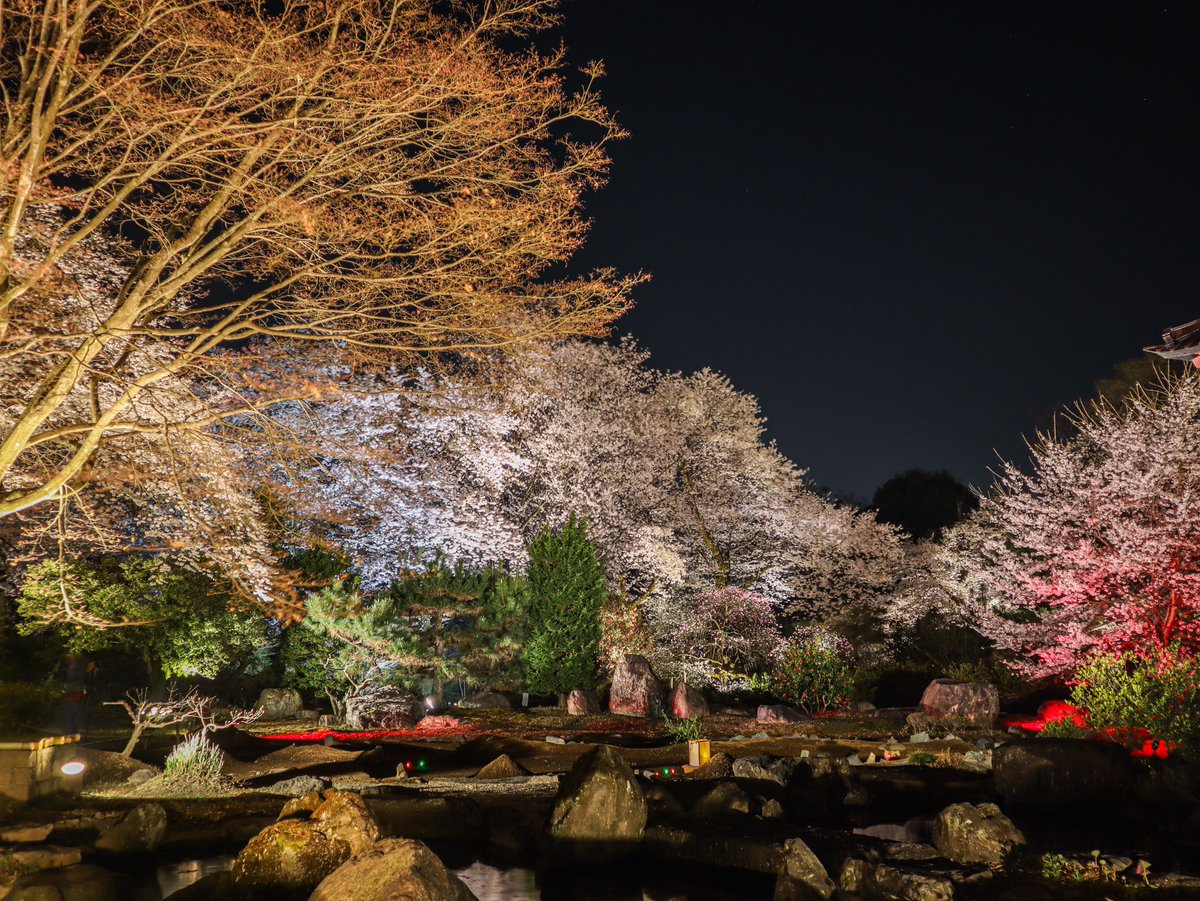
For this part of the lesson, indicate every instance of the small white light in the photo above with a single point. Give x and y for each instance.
(74, 768)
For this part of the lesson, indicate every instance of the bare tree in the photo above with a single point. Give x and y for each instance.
(207, 208)
(176, 709)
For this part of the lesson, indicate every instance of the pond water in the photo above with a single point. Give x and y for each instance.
(179, 874)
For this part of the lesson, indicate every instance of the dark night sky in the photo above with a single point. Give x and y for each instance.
(910, 228)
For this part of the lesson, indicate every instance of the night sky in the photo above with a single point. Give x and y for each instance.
(911, 229)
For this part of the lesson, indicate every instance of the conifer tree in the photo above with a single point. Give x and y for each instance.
(567, 592)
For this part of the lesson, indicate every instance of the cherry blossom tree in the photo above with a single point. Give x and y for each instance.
(1097, 546)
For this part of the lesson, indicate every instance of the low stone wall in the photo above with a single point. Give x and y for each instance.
(33, 769)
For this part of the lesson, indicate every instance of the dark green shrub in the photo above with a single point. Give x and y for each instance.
(1129, 694)
(26, 705)
(567, 593)
(813, 678)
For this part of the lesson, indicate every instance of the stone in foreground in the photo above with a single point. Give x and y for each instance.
(687, 703)
(139, 832)
(396, 869)
(976, 703)
(802, 877)
(503, 767)
(635, 690)
(599, 802)
(968, 834)
(1052, 772)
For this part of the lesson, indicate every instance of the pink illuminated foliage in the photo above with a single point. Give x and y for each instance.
(1097, 547)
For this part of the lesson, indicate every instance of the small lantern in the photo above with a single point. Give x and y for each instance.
(699, 751)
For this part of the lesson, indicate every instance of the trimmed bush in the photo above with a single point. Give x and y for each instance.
(26, 705)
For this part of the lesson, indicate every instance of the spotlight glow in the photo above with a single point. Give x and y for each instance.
(74, 768)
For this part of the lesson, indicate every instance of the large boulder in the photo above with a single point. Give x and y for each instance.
(876, 881)
(386, 708)
(503, 767)
(687, 703)
(968, 834)
(397, 869)
(599, 801)
(288, 857)
(973, 703)
(485, 699)
(1051, 772)
(343, 816)
(280, 703)
(635, 690)
(139, 832)
(802, 877)
(779, 713)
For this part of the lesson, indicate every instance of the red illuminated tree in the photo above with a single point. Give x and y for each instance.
(1097, 546)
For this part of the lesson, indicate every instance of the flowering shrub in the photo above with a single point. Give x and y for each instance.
(194, 759)
(622, 631)
(721, 637)
(813, 678)
(1129, 695)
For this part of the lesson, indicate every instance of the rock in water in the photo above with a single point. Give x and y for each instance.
(871, 879)
(140, 832)
(687, 703)
(779, 713)
(635, 689)
(288, 857)
(280, 703)
(1053, 771)
(343, 816)
(976, 835)
(387, 708)
(599, 801)
(396, 869)
(503, 767)
(766, 769)
(486, 699)
(802, 877)
(977, 703)
(81, 882)
(582, 702)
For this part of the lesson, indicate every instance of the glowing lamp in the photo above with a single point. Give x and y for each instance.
(74, 768)
(699, 751)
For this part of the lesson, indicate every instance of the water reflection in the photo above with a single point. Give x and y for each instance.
(491, 884)
(180, 874)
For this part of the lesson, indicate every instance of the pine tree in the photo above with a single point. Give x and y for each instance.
(567, 592)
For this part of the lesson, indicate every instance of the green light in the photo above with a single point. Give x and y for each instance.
(421, 765)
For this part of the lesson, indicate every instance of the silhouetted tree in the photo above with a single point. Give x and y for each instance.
(923, 503)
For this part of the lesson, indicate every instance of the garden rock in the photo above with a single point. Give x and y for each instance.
(687, 703)
(503, 767)
(387, 708)
(439, 722)
(301, 807)
(725, 799)
(802, 877)
(719, 766)
(779, 713)
(635, 689)
(343, 816)
(1049, 772)
(37, 857)
(582, 702)
(137, 777)
(280, 703)
(299, 785)
(397, 869)
(767, 769)
(771, 809)
(19, 833)
(599, 801)
(968, 834)
(81, 882)
(140, 831)
(662, 803)
(287, 857)
(486, 700)
(976, 703)
(876, 881)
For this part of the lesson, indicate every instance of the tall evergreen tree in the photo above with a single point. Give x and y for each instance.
(567, 592)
